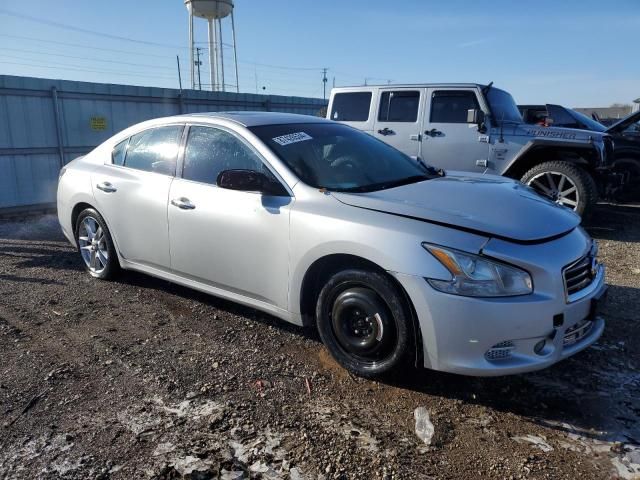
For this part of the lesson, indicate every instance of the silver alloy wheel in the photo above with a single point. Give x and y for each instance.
(558, 187)
(93, 245)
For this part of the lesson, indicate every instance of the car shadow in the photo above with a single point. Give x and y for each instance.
(615, 222)
(32, 256)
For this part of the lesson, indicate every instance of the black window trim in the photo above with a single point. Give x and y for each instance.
(183, 149)
(453, 90)
(128, 139)
(419, 90)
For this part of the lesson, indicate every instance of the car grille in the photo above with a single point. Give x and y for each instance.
(580, 274)
(500, 351)
(577, 332)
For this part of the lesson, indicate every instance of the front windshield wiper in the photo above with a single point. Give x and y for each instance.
(385, 185)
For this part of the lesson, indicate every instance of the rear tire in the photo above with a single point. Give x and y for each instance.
(96, 246)
(365, 323)
(565, 183)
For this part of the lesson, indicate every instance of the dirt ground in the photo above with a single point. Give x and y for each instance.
(139, 378)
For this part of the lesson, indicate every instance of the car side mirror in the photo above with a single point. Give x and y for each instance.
(249, 181)
(475, 116)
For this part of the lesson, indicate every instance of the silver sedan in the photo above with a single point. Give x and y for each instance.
(317, 223)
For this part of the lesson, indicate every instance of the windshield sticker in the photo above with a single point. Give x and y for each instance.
(292, 138)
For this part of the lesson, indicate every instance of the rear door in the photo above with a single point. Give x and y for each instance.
(132, 191)
(448, 141)
(399, 118)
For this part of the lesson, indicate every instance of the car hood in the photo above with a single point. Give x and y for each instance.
(484, 204)
(621, 125)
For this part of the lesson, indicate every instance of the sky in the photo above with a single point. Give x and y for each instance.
(578, 53)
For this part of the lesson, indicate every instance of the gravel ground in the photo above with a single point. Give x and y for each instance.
(139, 378)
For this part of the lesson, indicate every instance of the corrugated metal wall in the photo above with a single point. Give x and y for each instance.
(44, 123)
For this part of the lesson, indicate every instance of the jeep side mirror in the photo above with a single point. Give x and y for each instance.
(475, 116)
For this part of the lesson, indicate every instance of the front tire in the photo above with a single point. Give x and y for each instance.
(95, 245)
(565, 183)
(365, 323)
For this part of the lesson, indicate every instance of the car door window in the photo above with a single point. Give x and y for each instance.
(399, 106)
(452, 106)
(210, 150)
(155, 150)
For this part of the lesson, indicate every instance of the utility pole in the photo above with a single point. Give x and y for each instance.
(198, 63)
(324, 83)
(179, 74)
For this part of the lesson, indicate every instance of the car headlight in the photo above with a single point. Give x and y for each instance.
(475, 276)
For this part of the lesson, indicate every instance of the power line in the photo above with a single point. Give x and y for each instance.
(79, 68)
(77, 45)
(84, 30)
(86, 58)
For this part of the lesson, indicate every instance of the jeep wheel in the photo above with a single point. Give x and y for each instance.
(565, 184)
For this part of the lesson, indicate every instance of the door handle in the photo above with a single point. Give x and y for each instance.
(106, 187)
(386, 131)
(433, 132)
(183, 203)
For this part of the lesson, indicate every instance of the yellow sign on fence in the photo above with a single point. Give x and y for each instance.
(98, 123)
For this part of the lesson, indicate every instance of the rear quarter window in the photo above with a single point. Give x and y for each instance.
(118, 153)
(351, 107)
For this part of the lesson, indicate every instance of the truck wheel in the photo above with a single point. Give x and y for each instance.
(565, 183)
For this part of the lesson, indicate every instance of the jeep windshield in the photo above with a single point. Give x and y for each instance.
(502, 105)
(341, 158)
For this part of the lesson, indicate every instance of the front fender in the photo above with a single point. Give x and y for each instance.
(550, 144)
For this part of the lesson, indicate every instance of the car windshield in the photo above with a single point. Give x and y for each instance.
(503, 107)
(341, 158)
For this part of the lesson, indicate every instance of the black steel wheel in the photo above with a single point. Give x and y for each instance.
(365, 323)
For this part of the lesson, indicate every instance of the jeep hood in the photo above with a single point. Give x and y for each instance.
(484, 204)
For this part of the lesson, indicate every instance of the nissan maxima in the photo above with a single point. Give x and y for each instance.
(394, 262)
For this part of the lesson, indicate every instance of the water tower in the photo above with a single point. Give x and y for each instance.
(213, 11)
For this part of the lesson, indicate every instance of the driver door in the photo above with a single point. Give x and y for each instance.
(450, 142)
(233, 240)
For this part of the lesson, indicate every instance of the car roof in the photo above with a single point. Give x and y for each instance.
(414, 85)
(253, 119)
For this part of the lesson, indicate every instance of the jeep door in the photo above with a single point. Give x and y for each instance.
(399, 118)
(448, 141)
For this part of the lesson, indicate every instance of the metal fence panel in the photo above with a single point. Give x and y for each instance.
(45, 123)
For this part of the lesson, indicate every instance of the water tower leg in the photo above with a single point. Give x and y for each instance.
(235, 52)
(221, 53)
(213, 67)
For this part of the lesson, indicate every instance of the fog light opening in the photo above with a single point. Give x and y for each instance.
(539, 347)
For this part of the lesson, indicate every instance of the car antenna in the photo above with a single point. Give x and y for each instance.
(487, 87)
(501, 139)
